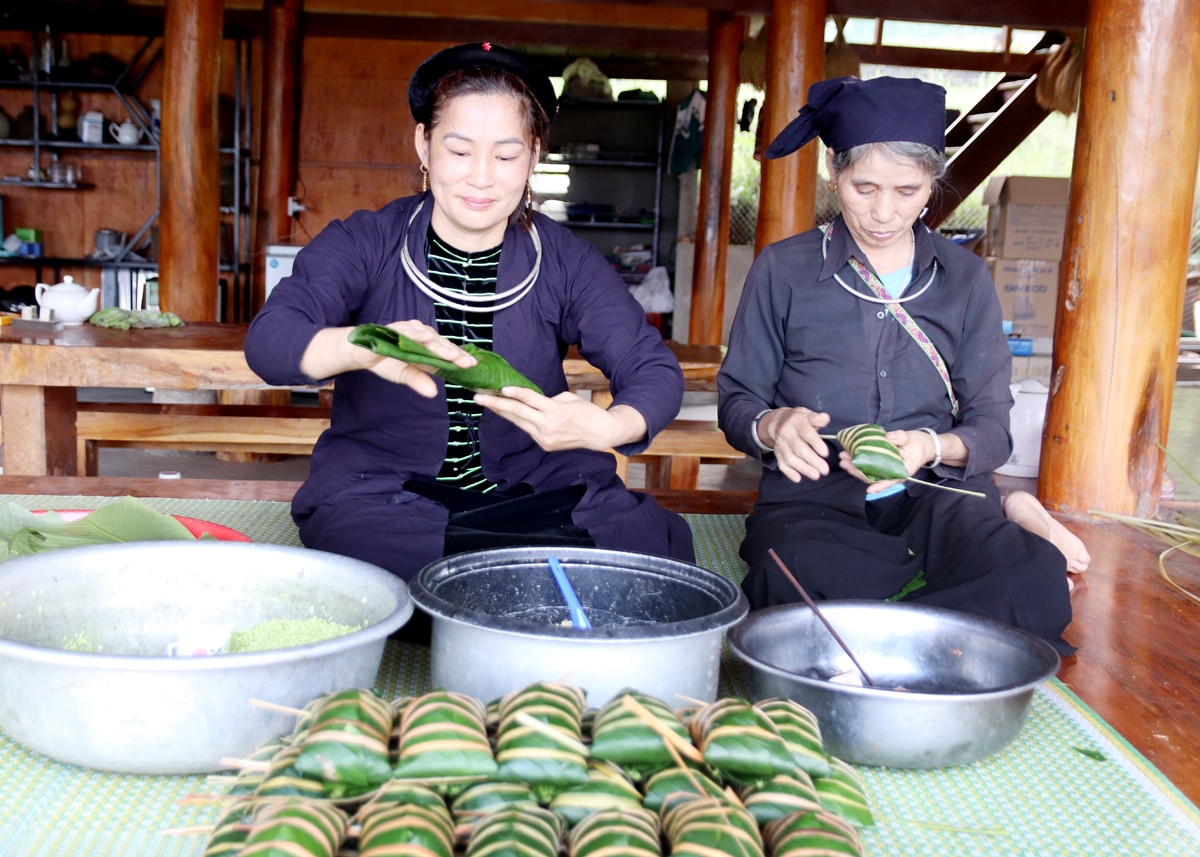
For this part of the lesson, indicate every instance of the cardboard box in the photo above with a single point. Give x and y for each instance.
(1035, 366)
(1028, 291)
(1027, 216)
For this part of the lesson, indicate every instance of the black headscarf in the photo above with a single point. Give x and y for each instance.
(846, 112)
(481, 55)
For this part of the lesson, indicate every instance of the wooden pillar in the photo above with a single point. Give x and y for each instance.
(1125, 258)
(795, 61)
(725, 33)
(189, 220)
(277, 173)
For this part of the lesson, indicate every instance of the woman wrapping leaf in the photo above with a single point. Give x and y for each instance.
(415, 467)
(874, 321)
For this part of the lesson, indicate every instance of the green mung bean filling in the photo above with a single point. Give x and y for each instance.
(285, 633)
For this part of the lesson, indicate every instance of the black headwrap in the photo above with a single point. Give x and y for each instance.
(846, 112)
(482, 55)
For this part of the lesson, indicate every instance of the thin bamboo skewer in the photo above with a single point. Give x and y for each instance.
(817, 612)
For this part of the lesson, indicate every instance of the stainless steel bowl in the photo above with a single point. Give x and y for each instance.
(498, 622)
(969, 681)
(123, 705)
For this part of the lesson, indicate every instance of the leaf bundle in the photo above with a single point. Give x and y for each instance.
(395, 830)
(297, 828)
(608, 787)
(539, 739)
(628, 832)
(808, 833)
(491, 373)
(346, 746)
(620, 735)
(800, 731)
(704, 827)
(532, 832)
(740, 742)
(842, 793)
(442, 737)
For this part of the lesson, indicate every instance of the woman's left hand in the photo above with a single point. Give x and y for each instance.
(916, 448)
(566, 421)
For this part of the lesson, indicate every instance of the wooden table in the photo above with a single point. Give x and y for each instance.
(40, 374)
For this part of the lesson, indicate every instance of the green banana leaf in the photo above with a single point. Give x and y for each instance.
(872, 453)
(490, 374)
(125, 520)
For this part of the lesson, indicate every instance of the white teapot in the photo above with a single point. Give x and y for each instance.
(71, 302)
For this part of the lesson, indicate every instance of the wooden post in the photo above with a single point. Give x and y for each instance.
(795, 61)
(189, 221)
(725, 33)
(277, 173)
(1125, 258)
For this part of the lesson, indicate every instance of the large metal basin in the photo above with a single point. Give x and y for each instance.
(123, 705)
(969, 681)
(498, 623)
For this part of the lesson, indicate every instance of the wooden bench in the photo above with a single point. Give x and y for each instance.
(280, 429)
(672, 460)
(674, 457)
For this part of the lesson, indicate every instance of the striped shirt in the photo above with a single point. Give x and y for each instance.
(467, 274)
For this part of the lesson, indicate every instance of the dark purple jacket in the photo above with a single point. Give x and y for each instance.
(383, 433)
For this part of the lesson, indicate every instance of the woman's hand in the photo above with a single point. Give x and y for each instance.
(794, 434)
(566, 421)
(916, 448)
(330, 353)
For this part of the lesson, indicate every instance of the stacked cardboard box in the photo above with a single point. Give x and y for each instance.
(1027, 218)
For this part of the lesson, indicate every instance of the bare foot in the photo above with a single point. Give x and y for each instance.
(1023, 508)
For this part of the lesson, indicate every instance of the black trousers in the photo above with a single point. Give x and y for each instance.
(967, 554)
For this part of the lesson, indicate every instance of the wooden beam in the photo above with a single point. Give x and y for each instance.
(795, 61)
(712, 229)
(1026, 14)
(513, 32)
(189, 223)
(1125, 259)
(280, 103)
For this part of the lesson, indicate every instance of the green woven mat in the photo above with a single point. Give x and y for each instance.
(1068, 785)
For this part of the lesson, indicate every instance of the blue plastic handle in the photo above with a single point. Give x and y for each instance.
(578, 618)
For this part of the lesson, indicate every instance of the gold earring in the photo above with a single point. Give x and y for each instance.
(424, 178)
(528, 195)
(832, 185)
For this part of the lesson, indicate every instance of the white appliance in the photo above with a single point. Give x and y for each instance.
(279, 264)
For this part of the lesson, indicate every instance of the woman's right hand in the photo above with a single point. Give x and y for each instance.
(794, 434)
(331, 353)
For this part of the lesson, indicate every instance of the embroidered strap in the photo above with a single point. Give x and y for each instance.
(906, 321)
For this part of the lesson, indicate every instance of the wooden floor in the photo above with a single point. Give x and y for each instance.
(1138, 663)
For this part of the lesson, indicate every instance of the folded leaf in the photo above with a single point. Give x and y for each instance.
(490, 374)
(872, 453)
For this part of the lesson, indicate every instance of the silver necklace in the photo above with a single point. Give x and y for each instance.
(872, 298)
(473, 303)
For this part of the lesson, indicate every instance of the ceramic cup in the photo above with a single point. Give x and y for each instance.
(199, 641)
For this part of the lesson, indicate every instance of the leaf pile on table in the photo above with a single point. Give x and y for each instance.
(537, 774)
(128, 519)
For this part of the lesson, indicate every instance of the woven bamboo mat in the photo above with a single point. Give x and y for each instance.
(1067, 785)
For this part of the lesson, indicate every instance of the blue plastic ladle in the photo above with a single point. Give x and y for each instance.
(578, 618)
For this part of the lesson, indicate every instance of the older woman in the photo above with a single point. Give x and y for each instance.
(412, 468)
(873, 318)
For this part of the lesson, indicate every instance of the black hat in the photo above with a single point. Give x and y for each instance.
(481, 55)
(846, 112)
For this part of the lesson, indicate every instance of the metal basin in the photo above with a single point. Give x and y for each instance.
(968, 681)
(122, 704)
(499, 622)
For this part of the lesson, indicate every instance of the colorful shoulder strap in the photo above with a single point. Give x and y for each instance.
(906, 321)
